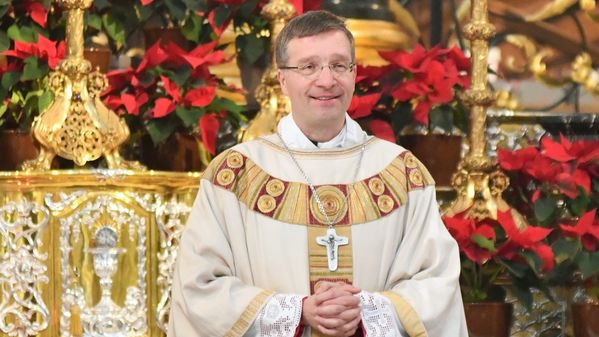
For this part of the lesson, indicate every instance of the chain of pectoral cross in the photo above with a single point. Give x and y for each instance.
(331, 241)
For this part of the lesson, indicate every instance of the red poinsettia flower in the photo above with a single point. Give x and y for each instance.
(44, 49)
(465, 231)
(529, 238)
(587, 229)
(209, 125)
(515, 160)
(37, 12)
(424, 78)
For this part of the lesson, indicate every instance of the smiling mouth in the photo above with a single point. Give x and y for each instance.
(325, 98)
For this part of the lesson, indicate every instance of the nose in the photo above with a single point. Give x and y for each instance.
(325, 77)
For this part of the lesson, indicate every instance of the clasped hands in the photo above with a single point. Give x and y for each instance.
(333, 309)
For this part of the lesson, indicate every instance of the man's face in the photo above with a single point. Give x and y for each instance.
(322, 98)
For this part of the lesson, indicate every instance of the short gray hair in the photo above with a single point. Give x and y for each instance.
(309, 24)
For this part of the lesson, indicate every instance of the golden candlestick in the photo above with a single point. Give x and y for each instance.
(273, 103)
(78, 126)
(478, 181)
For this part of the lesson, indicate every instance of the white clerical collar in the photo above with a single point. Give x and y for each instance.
(351, 134)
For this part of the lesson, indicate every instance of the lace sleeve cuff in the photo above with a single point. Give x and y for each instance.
(379, 318)
(280, 316)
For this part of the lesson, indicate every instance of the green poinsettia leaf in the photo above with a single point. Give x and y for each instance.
(247, 9)
(250, 47)
(9, 79)
(221, 14)
(544, 208)
(192, 28)
(533, 260)
(34, 68)
(234, 110)
(101, 4)
(196, 6)
(564, 249)
(45, 100)
(180, 75)
(588, 263)
(161, 128)
(94, 20)
(114, 29)
(483, 242)
(4, 41)
(4, 6)
(3, 109)
(176, 8)
(579, 205)
(25, 33)
(189, 116)
(441, 117)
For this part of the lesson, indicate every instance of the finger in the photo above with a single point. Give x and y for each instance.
(323, 286)
(347, 300)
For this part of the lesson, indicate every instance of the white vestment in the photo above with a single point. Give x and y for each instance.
(248, 254)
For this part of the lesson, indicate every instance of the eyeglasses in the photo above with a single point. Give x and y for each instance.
(310, 69)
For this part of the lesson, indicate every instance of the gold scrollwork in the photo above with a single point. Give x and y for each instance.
(584, 74)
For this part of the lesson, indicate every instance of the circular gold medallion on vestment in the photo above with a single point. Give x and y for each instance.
(266, 203)
(410, 160)
(225, 177)
(234, 160)
(275, 187)
(333, 201)
(385, 203)
(376, 185)
(416, 177)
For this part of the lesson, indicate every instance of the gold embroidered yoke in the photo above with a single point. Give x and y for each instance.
(253, 226)
(292, 202)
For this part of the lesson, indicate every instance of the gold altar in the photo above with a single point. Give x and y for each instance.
(89, 250)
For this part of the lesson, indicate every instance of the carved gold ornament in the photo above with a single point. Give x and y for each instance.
(78, 126)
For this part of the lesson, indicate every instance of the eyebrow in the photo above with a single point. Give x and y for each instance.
(334, 58)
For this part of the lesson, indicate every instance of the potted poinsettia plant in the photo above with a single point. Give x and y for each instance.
(556, 185)
(416, 93)
(496, 254)
(27, 54)
(172, 91)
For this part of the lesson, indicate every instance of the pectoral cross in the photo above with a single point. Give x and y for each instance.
(332, 242)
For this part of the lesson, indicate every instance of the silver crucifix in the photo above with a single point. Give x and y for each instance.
(332, 242)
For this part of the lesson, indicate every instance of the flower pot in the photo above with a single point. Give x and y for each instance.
(178, 153)
(15, 148)
(99, 57)
(439, 153)
(488, 319)
(585, 319)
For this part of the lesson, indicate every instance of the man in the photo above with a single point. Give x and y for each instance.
(318, 229)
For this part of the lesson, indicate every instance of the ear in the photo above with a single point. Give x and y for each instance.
(282, 82)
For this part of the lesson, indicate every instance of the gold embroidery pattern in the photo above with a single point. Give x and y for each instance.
(225, 177)
(291, 202)
(418, 175)
(385, 203)
(275, 187)
(266, 203)
(235, 160)
(376, 185)
(333, 200)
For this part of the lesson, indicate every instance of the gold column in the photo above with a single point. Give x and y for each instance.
(78, 126)
(273, 104)
(478, 181)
